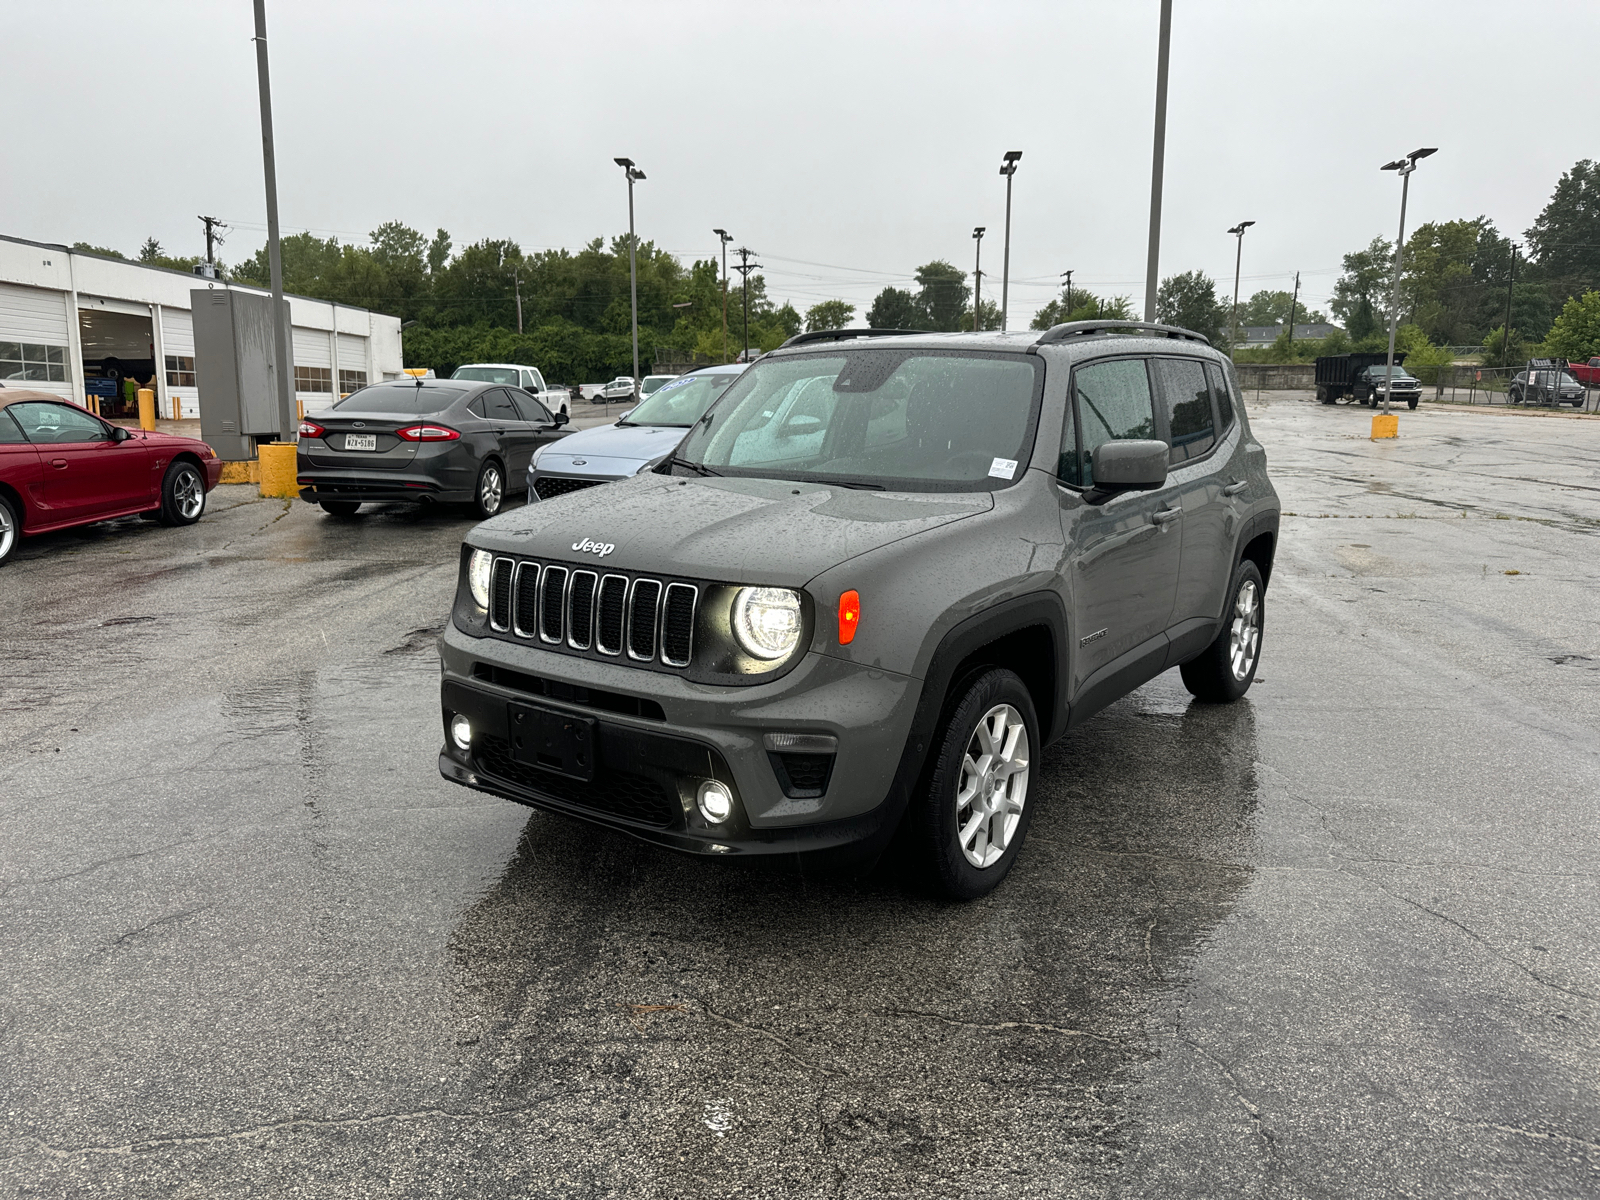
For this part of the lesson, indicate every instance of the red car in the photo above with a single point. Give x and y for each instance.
(61, 466)
(1587, 373)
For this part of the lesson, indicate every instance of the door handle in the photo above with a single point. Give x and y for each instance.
(59, 464)
(1165, 515)
(1237, 486)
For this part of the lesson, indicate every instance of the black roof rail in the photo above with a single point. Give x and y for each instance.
(1072, 329)
(839, 335)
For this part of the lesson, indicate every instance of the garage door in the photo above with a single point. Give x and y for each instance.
(34, 339)
(313, 368)
(177, 351)
(352, 362)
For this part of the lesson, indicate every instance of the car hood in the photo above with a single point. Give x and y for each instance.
(764, 531)
(634, 443)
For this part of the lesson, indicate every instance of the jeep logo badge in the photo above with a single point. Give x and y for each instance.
(591, 547)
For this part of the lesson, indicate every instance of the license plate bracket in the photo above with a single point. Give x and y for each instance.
(552, 740)
(360, 441)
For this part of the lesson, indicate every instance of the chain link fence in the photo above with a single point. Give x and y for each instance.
(1464, 383)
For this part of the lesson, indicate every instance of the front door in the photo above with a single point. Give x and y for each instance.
(86, 472)
(1123, 554)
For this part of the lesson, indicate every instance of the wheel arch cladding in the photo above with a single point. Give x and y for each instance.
(1259, 551)
(1026, 635)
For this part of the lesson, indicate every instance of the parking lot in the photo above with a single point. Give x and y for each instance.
(1336, 939)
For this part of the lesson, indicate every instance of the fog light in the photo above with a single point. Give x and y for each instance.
(461, 732)
(715, 801)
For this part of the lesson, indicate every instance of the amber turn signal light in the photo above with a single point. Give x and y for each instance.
(849, 616)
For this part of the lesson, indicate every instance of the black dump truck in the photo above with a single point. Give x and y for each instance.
(1360, 377)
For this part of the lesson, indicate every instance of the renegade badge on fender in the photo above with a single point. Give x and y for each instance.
(874, 581)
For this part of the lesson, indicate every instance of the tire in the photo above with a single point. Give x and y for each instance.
(340, 508)
(1224, 670)
(1322, 395)
(1513, 397)
(996, 799)
(183, 494)
(489, 494)
(1413, 403)
(10, 528)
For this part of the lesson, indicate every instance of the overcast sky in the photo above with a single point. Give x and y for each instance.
(845, 143)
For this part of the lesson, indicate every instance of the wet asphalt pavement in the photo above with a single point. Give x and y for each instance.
(1338, 939)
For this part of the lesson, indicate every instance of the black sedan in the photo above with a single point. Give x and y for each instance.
(432, 440)
(1545, 387)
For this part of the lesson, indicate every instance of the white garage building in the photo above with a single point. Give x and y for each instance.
(71, 322)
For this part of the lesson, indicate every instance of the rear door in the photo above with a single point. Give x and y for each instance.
(1123, 555)
(516, 437)
(85, 472)
(1195, 465)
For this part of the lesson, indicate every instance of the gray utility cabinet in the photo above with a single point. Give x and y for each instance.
(236, 372)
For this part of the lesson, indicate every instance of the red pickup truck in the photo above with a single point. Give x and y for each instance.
(1587, 373)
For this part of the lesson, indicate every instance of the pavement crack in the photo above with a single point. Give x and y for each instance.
(310, 1124)
(94, 866)
(1040, 1026)
(169, 919)
(783, 1043)
(1475, 936)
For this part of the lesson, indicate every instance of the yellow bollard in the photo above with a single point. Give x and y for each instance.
(147, 409)
(1385, 425)
(278, 470)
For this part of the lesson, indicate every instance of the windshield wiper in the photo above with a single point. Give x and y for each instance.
(699, 468)
(851, 483)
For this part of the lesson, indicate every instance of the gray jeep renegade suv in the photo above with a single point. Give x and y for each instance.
(872, 583)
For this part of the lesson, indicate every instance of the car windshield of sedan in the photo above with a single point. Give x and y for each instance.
(680, 402)
(877, 418)
(487, 374)
(406, 398)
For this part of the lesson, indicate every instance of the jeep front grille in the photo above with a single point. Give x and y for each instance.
(638, 619)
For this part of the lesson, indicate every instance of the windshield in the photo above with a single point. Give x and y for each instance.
(1381, 372)
(930, 421)
(487, 374)
(404, 398)
(681, 401)
(653, 383)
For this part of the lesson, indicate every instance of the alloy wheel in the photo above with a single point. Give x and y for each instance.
(8, 532)
(993, 786)
(1244, 637)
(187, 495)
(490, 492)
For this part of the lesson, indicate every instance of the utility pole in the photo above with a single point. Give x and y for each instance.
(725, 237)
(1067, 275)
(1008, 168)
(1505, 349)
(744, 268)
(213, 239)
(516, 279)
(1238, 257)
(633, 174)
(977, 280)
(1157, 163)
(1405, 166)
(1293, 302)
(282, 355)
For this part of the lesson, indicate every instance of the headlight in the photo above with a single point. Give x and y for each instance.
(478, 568)
(766, 621)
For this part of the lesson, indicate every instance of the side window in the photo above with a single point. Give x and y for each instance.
(1219, 392)
(536, 381)
(475, 406)
(1114, 405)
(498, 406)
(10, 432)
(1191, 428)
(530, 409)
(58, 423)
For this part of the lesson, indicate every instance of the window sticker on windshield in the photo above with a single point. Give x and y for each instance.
(1003, 468)
(674, 383)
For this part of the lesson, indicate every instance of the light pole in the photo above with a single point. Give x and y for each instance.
(282, 355)
(726, 238)
(977, 280)
(1008, 168)
(1152, 278)
(1067, 275)
(1405, 166)
(1238, 258)
(633, 173)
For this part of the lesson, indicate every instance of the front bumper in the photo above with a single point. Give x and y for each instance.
(647, 767)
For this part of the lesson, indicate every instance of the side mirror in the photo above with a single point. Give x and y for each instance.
(1128, 467)
(119, 434)
(559, 419)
